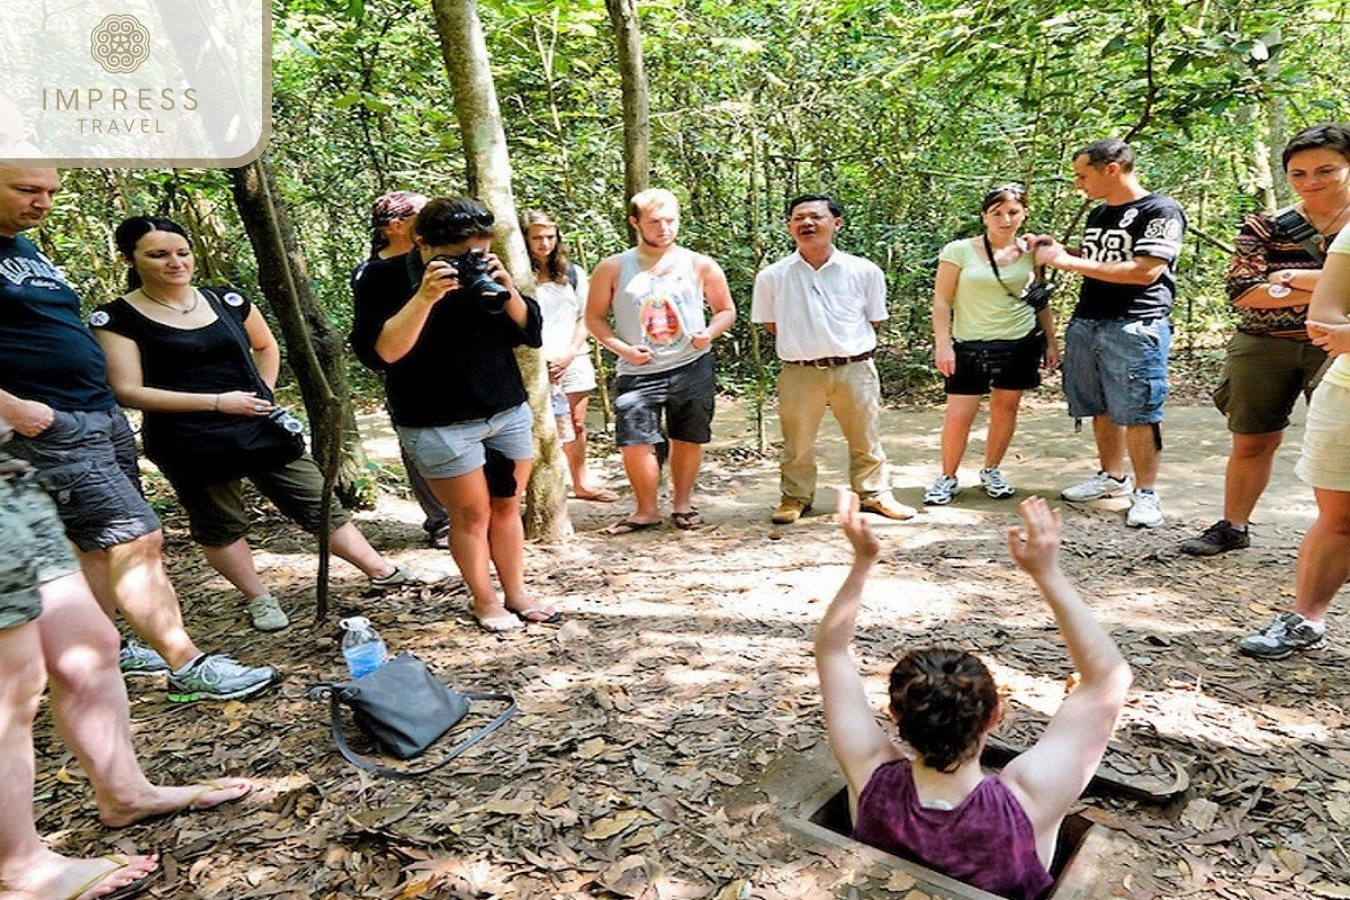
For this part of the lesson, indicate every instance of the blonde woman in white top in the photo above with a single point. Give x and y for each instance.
(561, 288)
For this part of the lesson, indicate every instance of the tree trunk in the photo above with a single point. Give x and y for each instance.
(314, 349)
(636, 105)
(489, 177)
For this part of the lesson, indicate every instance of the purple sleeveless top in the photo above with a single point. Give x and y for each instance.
(987, 841)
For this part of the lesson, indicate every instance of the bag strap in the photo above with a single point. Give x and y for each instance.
(240, 339)
(352, 757)
(572, 277)
(1301, 231)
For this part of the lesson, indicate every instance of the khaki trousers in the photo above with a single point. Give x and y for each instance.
(852, 393)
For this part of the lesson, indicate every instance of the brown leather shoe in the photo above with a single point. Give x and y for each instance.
(790, 510)
(885, 504)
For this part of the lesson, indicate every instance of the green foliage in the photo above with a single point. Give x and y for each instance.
(906, 111)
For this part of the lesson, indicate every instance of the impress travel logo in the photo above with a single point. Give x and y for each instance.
(135, 83)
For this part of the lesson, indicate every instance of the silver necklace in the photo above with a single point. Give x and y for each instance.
(196, 298)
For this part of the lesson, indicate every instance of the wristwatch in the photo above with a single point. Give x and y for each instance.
(1282, 288)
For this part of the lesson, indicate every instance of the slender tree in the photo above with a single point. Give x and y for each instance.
(489, 177)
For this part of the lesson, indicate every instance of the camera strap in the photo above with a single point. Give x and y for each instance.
(993, 264)
(1295, 226)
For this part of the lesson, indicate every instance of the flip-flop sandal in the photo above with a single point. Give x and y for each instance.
(130, 889)
(686, 520)
(538, 615)
(628, 526)
(506, 622)
(601, 496)
(192, 804)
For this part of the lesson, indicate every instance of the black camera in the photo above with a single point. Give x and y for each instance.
(471, 267)
(287, 421)
(1037, 294)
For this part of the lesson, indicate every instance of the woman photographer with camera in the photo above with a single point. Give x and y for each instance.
(442, 322)
(201, 364)
(992, 327)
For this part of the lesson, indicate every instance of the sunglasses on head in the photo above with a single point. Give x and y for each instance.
(461, 218)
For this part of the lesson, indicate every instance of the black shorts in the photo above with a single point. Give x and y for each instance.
(686, 395)
(1005, 365)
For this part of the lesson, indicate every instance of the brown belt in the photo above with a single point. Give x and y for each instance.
(829, 362)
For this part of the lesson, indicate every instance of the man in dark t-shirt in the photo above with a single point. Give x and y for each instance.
(54, 390)
(1116, 344)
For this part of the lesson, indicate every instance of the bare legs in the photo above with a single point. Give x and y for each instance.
(487, 529)
(130, 577)
(26, 865)
(235, 561)
(644, 475)
(575, 450)
(1324, 555)
(89, 706)
(1114, 440)
(961, 411)
(1247, 474)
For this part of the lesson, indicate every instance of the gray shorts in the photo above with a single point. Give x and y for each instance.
(33, 549)
(687, 395)
(87, 463)
(1117, 368)
(448, 451)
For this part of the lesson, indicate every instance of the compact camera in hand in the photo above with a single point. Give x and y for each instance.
(471, 267)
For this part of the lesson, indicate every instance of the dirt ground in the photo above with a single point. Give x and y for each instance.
(665, 725)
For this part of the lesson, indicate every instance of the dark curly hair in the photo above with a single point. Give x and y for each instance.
(452, 220)
(942, 699)
(129, 234)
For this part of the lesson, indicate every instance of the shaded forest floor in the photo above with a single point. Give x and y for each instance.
(653, 722)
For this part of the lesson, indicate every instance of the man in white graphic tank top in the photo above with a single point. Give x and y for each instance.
(655, 294)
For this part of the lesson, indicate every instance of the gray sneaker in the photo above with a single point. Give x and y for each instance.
(406, 576)
(995, 485)
(943, 491)
(1286, 633)
(218, 677)
(1098, 487)
(266, 613)
(138, 659)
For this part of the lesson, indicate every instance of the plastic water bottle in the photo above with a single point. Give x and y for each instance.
(361, 646)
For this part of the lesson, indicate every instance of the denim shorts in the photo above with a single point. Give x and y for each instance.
(1117, 368)
(33, 548)
(87, 463)
(448, 451)
(687, 395)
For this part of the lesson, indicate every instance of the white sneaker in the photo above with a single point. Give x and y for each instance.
(995, 485)
(1098, 487)
(1145, 510)
(943, 491)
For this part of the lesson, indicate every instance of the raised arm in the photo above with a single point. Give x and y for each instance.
(857, 741)
(1049, 777)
